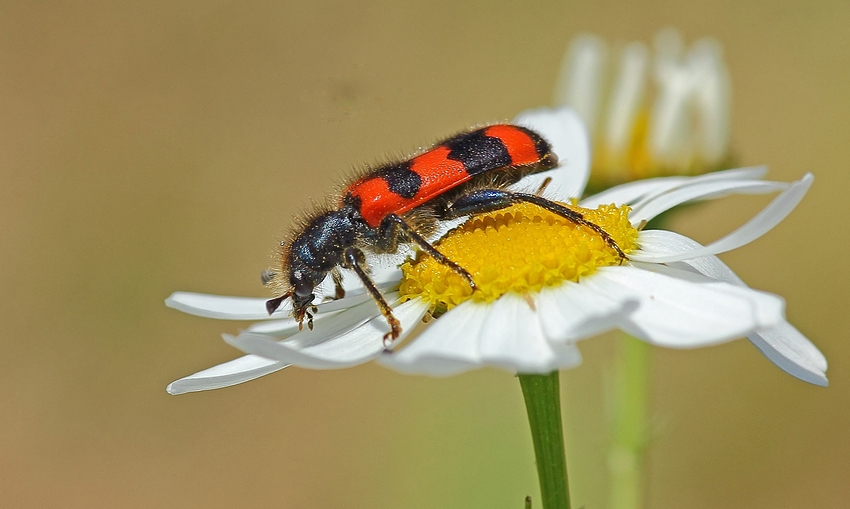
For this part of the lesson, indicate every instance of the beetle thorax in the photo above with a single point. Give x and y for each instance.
(319, 248)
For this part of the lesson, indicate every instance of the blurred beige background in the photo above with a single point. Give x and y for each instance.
(161, 146)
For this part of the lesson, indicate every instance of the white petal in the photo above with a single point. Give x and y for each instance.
(626, 98)
(646, 210)
(663, 242)
(512, 338)
(230, 373)
(783, 344)
(282, 328)
(680, 309)
(333, 325)
(712, 99)
(251, 366)
(220, 306)
(504, 334)
(248, 308)
(385, 274)
(581, 78)
(786, 347)
(763, 222)
(448, 346)
(626, 194)
(670, 136)
(574, 311)
(630, 193)
(350, 348)
(564, 130)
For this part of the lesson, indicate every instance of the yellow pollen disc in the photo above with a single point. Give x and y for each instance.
(522, 249)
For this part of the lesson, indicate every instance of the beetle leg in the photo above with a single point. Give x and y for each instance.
(339, 291)
(543, 186)
(389, 229)
(489, 200)
(355, 260)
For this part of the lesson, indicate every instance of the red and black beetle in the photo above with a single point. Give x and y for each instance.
(402, 202)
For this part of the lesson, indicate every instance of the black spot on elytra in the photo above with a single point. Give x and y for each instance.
(401, 179)
(478, 153)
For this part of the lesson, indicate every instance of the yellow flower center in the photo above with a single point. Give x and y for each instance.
(522, 248)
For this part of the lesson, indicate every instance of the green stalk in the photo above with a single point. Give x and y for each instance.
(630, 426)
(543, 403)
(627, 456)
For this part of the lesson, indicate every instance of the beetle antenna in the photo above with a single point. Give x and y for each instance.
(273, 304)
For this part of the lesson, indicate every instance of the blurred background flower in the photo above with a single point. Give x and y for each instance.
(651, 112)
(152, 146)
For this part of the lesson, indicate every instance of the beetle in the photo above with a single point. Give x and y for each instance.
(402, 202)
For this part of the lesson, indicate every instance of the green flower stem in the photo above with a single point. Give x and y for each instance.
(630, 425)
(630, 421)
(543, 403)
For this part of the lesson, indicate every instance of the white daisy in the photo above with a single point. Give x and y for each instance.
(664, 110)
(547, 286)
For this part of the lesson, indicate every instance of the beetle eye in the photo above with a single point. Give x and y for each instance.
(303, 289)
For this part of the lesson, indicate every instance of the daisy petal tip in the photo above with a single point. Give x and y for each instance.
(176, 300)
(792, 352)
(175, 389)
(189, 384)
(806, 375)
(186, 386)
